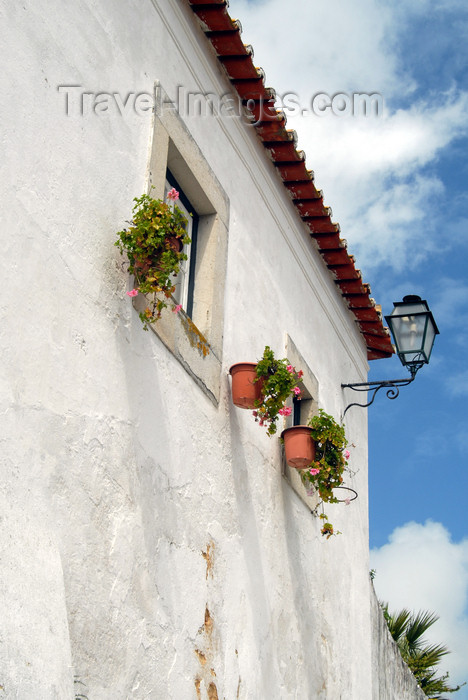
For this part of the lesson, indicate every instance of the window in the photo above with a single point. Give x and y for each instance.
(195, 335)
(303, 410)
(184, 282)
(302, 406)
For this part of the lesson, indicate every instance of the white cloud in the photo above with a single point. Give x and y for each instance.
(374, 171)
(314, 47)
(396, 143)
(389, 227)
(421, 568)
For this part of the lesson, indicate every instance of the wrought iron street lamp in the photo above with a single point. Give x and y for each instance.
(414, 330)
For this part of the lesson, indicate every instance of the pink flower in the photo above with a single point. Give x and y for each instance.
(347, 501)
(314, 471)
(290, 369)
(297, 391)
(300, 373)
(285, 411)
(133, 293)
(173, 194)
(176, 309)
(255, 413)
(346, 454)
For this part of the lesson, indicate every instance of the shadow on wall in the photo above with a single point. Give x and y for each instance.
(163, 563)
(258, 590)
(310, 626)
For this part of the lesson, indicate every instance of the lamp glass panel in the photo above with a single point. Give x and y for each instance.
(429, 340)
(413, 330)
(409, 332)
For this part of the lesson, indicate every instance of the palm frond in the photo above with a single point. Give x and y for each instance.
(397, 622)
(418, 625)
(422, 658)
(429, 656)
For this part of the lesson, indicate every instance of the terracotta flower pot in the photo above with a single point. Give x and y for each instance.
(299, 447)
(142, 266)
(175, 243)
(245, 391)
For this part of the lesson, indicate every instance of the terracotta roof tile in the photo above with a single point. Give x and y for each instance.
(328, 241)
(368, 314)
(352, 287)
(253, 89)
(275, 131)
(224, 33)
(312, 207)
(292, 172)
(303, 189)
(239, 67)
(214, 18)
(284, 152)
(196, 4)
(264, 112)
(358, 302)
(336, 257)
(345, 272)
(321, 224)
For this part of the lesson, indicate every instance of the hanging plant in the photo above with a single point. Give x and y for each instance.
(153, 244)
(279, 382)
(325, 473)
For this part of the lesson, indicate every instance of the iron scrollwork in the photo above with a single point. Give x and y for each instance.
(392, 386)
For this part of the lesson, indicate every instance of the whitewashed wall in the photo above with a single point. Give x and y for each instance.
(151, 547)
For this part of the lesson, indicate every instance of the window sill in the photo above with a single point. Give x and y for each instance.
(293, 478)
(180, 335)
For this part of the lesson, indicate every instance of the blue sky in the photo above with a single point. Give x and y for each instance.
(397, 184)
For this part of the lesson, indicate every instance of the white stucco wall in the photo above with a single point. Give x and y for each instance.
(151, 547)
(396, 682)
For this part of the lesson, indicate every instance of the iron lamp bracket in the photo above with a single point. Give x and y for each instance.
(392, 386)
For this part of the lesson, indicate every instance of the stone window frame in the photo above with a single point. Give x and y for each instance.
(310, 389)
(196, 342)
